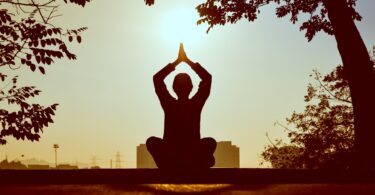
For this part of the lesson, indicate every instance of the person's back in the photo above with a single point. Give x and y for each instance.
(182, 122)
(181, 139)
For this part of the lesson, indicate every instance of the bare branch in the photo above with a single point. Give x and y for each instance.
(18, 3)
(329, 91)
(50, 16)
(269, 140)
(40, 12)
(284, 127)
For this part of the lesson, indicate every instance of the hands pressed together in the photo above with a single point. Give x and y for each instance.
(182, 57)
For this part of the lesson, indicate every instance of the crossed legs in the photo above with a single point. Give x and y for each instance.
(198, 155)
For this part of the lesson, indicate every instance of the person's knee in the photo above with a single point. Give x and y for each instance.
(209, 143)
(153, 143)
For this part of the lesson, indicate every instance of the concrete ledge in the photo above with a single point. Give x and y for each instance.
(155, 176)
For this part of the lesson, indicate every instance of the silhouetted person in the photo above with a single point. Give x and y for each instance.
(182, 147)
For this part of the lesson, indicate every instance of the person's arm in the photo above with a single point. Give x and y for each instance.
(205, 84)
(201, 72)
(160, 87)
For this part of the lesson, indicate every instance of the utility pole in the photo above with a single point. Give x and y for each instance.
(94, 163)
(118, 160)
(56, 146)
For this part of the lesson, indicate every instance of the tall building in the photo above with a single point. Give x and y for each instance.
(144, 158)
(226, 156)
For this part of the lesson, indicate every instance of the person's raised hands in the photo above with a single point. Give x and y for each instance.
(181, 54)
(182, 57)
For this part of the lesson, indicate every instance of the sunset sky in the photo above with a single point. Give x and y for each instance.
(107, 100)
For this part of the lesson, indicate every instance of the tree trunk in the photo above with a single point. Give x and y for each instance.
(359, 71)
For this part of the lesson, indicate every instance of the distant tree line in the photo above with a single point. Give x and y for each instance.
(5, 164)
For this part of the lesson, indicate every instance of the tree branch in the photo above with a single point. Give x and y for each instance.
(18, 3)
(329, 91)
(268, 137)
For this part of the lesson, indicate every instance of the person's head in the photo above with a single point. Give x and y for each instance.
(182, 85)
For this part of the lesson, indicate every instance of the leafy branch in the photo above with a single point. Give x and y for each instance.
(29, 38)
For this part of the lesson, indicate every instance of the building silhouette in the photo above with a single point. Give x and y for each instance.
(226, 156)
(144, 158)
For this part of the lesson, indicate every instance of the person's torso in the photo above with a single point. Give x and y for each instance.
(182, 122)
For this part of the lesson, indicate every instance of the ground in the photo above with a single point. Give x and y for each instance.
(259, 189)
(213, 181)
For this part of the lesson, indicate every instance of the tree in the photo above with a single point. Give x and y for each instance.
(334, 18)
(5, 164)
(29, 38)
(322, 136)
(283, 156)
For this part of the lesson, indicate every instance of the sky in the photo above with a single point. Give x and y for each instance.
(107, 103)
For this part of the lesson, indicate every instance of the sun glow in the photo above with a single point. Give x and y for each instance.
(180, 26)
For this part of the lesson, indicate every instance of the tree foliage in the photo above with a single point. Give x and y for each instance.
(220, 12)
(29, 120)
(283, 156)
(322, 136)
(28, 38)
(5, 164)
(33, 41)
(149, 2)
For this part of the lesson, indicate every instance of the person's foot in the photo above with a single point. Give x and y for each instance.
(211, 161)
